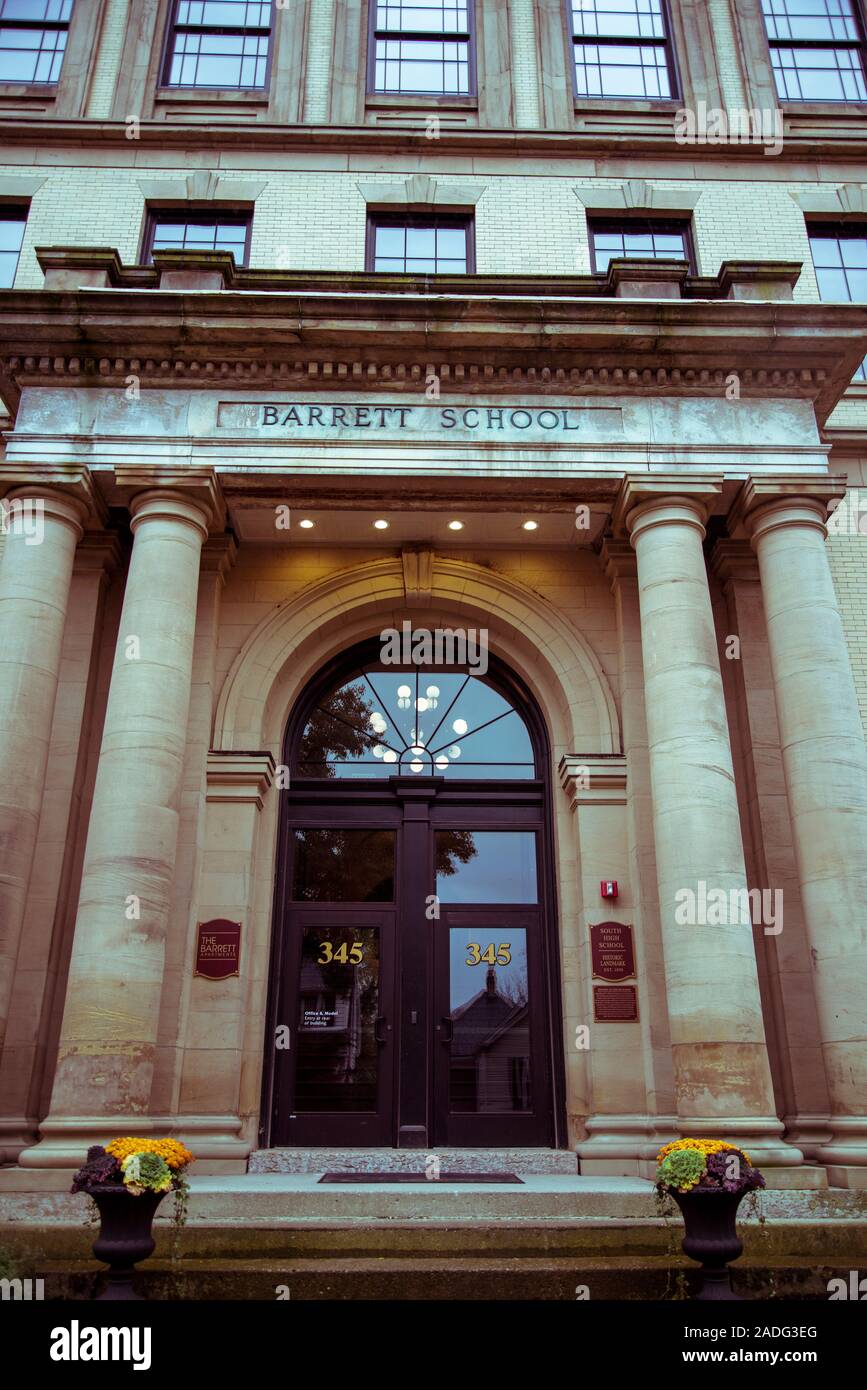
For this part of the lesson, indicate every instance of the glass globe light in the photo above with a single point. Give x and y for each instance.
(460, 726)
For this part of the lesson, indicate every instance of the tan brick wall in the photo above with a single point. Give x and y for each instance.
(728, 62)
(313, 216)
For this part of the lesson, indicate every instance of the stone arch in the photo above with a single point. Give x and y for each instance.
(525, 630)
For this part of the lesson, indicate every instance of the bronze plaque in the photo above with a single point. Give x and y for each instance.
(615, 1004)
(218, 949)
(611, 951)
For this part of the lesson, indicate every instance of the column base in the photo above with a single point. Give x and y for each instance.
(760, 1136)
(847, 1147)
(624, 1146)
(808, 1133)
(66, 1139)
(17, 1132)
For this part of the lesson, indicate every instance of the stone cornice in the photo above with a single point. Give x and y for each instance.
(500, 338)
(808, 135)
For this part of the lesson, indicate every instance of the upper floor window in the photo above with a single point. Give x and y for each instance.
(639, 240)
(840, 261)
(184, 230)
(33, 39)
(12, 224)
(219, 43)
(622, 48)
(421, 46)
(817, 49)
(421, 245)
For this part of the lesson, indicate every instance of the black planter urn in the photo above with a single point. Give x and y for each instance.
(711, 1237)
(124, 1235)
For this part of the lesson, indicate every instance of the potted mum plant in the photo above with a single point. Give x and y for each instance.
(127, 1180)
(708, 1179)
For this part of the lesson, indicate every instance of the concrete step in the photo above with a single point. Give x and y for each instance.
(552, 1278)
(413, 1161)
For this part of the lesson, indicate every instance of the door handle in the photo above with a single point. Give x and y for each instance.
(380, 1028)
(447, 1028)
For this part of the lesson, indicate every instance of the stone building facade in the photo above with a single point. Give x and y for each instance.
(532, 355)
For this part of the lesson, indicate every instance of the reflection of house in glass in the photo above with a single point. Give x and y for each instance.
(490, 1052)
(336, 1047)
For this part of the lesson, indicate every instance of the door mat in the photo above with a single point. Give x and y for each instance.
(422, 1178)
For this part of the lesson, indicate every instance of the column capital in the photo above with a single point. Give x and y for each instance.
(219, 554)
(618, 562)
(654, 498)
(196, 486)
(51, 483)
(733, 560)
(99, 552)
(784, 499)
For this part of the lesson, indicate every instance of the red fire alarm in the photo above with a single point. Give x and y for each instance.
(608, 887)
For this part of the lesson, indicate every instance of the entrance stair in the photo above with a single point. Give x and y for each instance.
(278, 1231)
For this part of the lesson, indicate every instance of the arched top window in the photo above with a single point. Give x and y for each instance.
(377, 721)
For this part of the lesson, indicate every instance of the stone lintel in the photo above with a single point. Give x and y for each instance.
(593, 778)
(239, 777)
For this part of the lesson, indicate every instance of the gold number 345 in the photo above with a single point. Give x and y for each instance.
(353, 955)
(492, 955)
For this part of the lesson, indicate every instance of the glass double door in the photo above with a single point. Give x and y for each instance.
(413, 987)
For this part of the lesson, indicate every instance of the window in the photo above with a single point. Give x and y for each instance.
(622, 48)
(639, 240)
(840, 260)
(219, 43)
(12, 224)
(421, 46)
(33, 39)
(186, 230)
(439, 722)
(423, 245)
(817, 49)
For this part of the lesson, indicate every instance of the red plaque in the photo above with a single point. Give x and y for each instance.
(218, 949)
(611, 951)
(615, 1004)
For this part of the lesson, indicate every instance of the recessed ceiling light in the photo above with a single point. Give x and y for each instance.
(531, 525)
(306, 524)
(456, 526)
(381, 525)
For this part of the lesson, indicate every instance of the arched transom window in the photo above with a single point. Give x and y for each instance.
(382, 721)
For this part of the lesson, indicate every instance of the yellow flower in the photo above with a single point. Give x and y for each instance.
(175, 1154)
(705, 1146)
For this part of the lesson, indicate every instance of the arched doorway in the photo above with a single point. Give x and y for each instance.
(414, 951)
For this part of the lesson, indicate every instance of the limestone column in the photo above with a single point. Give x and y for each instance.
(722, 1075)
(42, 529)
(108, 1037)
(825, 766)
